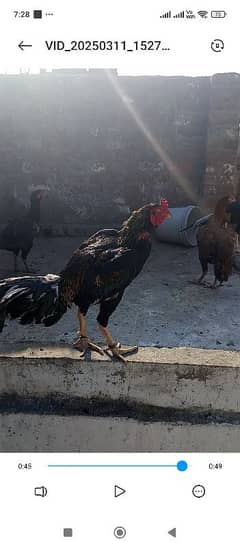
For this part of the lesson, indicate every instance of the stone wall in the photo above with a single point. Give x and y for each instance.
(105, 144)
(223, 133)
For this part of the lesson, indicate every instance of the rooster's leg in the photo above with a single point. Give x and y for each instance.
(200, 279)
(15, 263)
(83, 343)
(26, 265)
(107, 307)
(236, 246)
(24, 259)
(214, 284)
(115, 347)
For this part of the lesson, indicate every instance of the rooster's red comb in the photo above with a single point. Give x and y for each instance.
(164, 203)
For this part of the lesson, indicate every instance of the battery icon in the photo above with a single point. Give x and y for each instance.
(218, 14)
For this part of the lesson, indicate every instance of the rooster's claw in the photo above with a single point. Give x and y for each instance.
(119, 352)
(83, 343)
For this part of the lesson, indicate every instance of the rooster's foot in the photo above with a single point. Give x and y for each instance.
(83, 344)
(199, 282)
(119, 352)
(212, 285)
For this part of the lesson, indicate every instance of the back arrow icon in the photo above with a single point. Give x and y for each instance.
(22, 45)
(118, 491)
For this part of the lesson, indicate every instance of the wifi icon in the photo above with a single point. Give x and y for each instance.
(203, 14)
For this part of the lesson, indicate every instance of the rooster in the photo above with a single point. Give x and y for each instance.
(18, 234)
(97, 273)
(215, 239)
(233, 209)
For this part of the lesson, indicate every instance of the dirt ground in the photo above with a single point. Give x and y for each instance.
(160, 308)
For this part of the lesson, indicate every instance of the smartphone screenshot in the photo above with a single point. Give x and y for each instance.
(119, 273)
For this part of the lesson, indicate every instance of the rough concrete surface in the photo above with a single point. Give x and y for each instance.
(160, 308)
(163, 400)
(154, 381)
(28, 433)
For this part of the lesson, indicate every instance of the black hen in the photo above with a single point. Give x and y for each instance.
(19, 233)
(98, 272)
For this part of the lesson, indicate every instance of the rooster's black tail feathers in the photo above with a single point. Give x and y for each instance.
(31, 300)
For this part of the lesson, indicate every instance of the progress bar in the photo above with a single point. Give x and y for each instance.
(180, 466)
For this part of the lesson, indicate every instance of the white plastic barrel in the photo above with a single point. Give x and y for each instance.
(182, 217)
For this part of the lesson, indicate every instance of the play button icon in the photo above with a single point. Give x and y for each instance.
(173, 532)
(118, 491)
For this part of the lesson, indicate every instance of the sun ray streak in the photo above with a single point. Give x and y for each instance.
(171, 166)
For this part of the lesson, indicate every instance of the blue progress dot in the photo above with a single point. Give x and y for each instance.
(182, 465)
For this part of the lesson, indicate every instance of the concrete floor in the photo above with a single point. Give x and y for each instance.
(160, 308)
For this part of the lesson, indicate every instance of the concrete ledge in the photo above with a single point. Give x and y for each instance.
(178, 384)
(31, 433)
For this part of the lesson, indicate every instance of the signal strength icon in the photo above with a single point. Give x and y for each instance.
(179, 15)
(166, 15)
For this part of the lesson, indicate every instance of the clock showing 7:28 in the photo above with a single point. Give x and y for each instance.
(21, 14)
